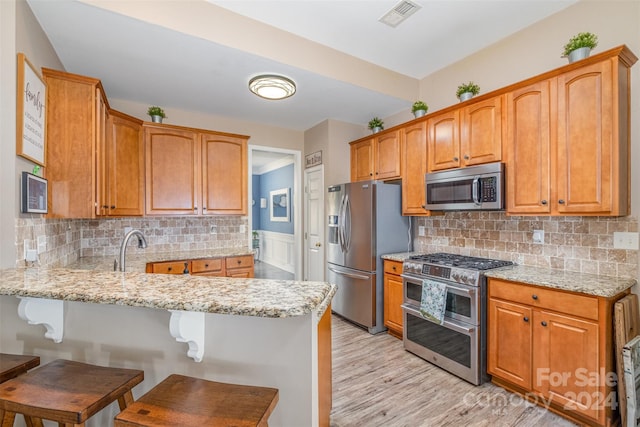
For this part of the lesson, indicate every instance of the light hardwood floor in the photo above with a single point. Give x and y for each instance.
(377, 383)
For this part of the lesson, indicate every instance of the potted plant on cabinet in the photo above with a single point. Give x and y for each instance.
(419, 109)
(376, 125)
(467, 91)
(579, 46)
(156, 113)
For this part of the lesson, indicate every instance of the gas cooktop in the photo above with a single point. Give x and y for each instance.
(462, 261)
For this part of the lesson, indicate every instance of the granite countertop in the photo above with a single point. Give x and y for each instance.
(244, 297)
(590, 284)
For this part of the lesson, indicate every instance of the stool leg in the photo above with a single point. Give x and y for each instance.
(125, 400)
(33, 421)
(7, 418)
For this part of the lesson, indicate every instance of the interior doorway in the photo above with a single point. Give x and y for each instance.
(275, 208)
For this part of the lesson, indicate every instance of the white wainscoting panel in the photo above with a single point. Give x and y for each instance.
(277, 249)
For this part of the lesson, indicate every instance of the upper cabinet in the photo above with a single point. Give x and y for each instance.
(376, 157)
(77, 112)
(193, 172)
(467, 136)
(568, 140)
(414, 167)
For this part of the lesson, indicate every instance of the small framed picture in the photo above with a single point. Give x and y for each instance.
(34, 194)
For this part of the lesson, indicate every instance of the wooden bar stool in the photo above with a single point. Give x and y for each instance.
(12, 365)
(66, 392)
(186, 401)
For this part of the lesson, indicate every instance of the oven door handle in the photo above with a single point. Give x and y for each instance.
(467, 330)
(418, 280)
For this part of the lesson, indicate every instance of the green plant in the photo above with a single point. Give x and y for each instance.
(589, 40)
(255, 234)
(156, 111)
(468, 87)
(419, 105)
(376, 122)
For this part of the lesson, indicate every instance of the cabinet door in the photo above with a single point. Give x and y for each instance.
(172, 171)
(362, 160)
(414, 167)
(566, 362)
(387, 156)
(125, 167)
(73, 125)
(443, 141)
(101, 197)
(528, 138)
(481, 132)
(392, 303)
(224, 175)
(510, 346)
(585, 140)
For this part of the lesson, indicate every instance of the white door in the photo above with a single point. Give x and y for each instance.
(314, 257)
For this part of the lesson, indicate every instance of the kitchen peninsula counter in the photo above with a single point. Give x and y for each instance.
(271, 333)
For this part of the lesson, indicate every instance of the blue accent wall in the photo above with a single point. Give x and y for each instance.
(255, 195)
(273, 180)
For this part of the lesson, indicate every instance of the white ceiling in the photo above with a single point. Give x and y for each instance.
(152, 64)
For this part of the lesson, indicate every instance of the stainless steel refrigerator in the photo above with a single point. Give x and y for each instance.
(364, 221)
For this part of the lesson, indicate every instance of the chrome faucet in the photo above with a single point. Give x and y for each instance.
(142, 243)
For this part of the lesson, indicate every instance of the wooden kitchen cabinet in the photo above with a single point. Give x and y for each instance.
(554, 345)
(194, 172)
(239, 266)
(377, 157)
(231, 266)
(568, 140)
(121, 183)
(414, 167)
(76, 130)
(393, 297)
(466, 136)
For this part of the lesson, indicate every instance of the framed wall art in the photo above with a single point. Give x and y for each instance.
(31, 113)
(279, 200)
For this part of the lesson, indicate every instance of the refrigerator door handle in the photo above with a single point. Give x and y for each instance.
(347, 224)
(341, 218)
(352, 275)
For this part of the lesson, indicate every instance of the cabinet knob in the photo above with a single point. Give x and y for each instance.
(393, 268)
(204, 208)
(561, 201)
(169, 268)
(206, 265)
(239, 261)
(534, 296)
(544, 202)
(113, 206)
(543, 323)
(370, 174)
(525, 318)
(186, 268)
(466, 157)
(455, 159)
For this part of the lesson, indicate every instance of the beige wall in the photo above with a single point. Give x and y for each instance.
(19, 32)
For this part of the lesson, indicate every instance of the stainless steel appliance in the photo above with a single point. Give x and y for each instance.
(364, 221)
(459, 344)
(472, 188)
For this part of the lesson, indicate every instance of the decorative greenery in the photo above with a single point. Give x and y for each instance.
(419, 105)
(468, 87)
(156, 111)
(589, 40)
(376, 122)
(255, 234)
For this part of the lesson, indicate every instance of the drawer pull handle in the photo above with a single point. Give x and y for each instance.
(526, 319)
(206, 265)
(543, 323)
(534, 296)
(239, 261)
(170, 268)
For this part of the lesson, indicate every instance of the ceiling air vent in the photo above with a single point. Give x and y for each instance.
(399, 13)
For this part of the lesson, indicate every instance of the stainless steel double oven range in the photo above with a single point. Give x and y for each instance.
(459, 343)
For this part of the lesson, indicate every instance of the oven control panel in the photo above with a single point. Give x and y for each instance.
(453, 274)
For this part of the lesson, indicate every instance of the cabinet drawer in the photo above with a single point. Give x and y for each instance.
(239, 261)
(207, 265)
(245, 273)
(171, 267)
(535, 296)
(392, 267)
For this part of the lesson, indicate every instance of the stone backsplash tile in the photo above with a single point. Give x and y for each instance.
(581, 244)
(62, 241)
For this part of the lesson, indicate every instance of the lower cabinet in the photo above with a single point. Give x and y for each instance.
(231, 266)
(555, 348)
(393, 297)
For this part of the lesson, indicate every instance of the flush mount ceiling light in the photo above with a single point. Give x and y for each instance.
(272, 86)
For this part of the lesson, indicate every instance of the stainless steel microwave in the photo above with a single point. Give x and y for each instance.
(472, 188)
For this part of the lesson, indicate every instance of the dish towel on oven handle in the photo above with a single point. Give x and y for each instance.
(434, 300)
